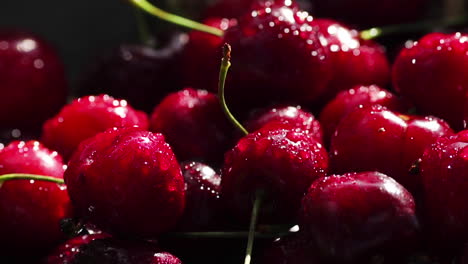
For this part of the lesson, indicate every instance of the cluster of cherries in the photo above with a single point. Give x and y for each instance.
(369, 181)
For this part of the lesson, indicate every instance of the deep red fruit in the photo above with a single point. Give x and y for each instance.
(127, 182)
(293, 249)
(291, 115)
(66, 252)
(444, 172)
(375, 138)
(347, 101)
(194, 125)
(354, 214)
(202, 55)
(84, 118)
(433, 74)
(32, 80)
(276, 57)
(30, 211)
(229, 8)
(367, 13)
(202, 206)
(278, 161)
(113, 251)
(355, 61)
(140, 74)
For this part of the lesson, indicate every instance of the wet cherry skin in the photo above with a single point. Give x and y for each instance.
(353, 214)
(29, 69)
(375, 138)
(281, 162)
(127, 182)
(433, 74)
(30, 211)
(65, 253)
(85, 117)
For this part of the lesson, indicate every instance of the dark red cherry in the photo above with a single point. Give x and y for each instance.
(367, 13)
(347, 101)
(290, 115)
(433, 74)
(375, 138)
(280, 162)
(141, 74)
(32, 80)
(293, 249)
(84, 118)
(126, 181)
(31, 211)
(194, 125)
(444, 173)
(202, 206)
(202, 55)
(229, 8)
(355, 61)
(358, 213)
(66, 252)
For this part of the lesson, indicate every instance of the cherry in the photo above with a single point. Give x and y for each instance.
(201, 55)
(281, 163)
(369, 13)
(66, 252)
(84, 118)
(292, 249)
(348, 216)
(229, 8)
(31, 211)
(444, 176)
(433, 74)
(194, 125)
(127, 182)
(347, 101)
(29, 69)
(375, 138)
(141, 74)
(202, 187)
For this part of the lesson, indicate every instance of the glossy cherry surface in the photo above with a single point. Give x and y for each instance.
(281, 162)
(141, 74)
(347, 101)
(375, 138)
(66, 252)
(444, 175)
(127, 181)
(30, 211)
(433, 74)
(358, 213)
(194, 125)
(290, 115)
(85, 117)
(29, 69)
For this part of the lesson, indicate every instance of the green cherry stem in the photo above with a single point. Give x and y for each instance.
(143, 29)
(175, 19)
(377, 32)
(253, 222)
(225, 64)
(24, 176)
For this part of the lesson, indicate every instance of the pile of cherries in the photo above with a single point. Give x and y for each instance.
(149, 166)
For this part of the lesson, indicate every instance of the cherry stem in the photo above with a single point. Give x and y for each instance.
(175, 19)
(377, 32)
(225, 64)
(253, 223)
(143, 29)
(24, 176)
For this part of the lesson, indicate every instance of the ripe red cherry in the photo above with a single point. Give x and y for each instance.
(444, 168)
(127, 182)
(66, 252)
(194, 125)
(290, 115)
(84, 118)
(205, 48)
(32, 80)
(355, 61)
(140, 74)
(281, 162)
(433, 74)
(347, 101)
(358, 213)
(202, 206)
(375, 138)
(30, 211)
